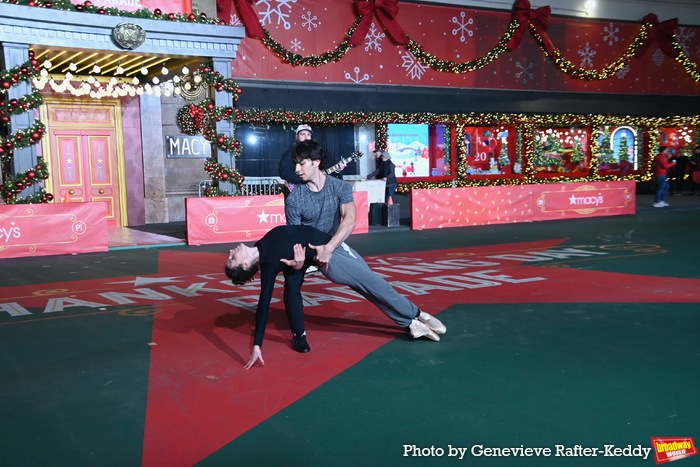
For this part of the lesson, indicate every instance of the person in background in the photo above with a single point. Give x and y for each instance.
(661, 166)
(386, 170)
(285, 167)
(682, 162)
(284, 249)
(694, 163)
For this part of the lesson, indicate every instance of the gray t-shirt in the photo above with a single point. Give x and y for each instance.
(319, 209)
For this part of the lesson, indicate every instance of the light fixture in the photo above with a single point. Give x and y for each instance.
(96, 69)
(72, 66)
(47, 63)
(144, 70)
(120, 70)
(164, 71)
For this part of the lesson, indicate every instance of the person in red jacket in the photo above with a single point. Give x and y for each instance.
(661, 166)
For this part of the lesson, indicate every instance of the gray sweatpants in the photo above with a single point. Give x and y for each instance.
(347, 267)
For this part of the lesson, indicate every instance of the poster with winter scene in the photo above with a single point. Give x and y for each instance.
(407, 144)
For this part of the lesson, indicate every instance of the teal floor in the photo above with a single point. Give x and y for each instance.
(585, 363)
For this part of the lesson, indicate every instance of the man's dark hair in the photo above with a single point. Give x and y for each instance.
(240, 275)
(308, 150)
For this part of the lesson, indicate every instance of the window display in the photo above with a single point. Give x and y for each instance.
(490, 151)
(419, 149)
(561, 150)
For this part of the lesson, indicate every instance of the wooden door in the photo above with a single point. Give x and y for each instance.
(83, 168)
(84, 154)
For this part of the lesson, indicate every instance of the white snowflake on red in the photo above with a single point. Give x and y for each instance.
(374, 38)
(587, 55)
(270, 11)
(356, 79)
(658, 57)
(234, 21)
(623, 72)
(525, 70)
(462, 26)
(683, 37)
(309, 21)
(610, 32)
(413, 67)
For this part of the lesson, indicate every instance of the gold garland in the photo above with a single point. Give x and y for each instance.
(574, 71)
(465, 67)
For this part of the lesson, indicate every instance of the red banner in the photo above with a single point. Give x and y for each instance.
(570, 200)
(459, 207)
(245, 218)
(52, 229)
(313, 27)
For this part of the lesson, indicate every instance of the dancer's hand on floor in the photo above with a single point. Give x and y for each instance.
(255, 355)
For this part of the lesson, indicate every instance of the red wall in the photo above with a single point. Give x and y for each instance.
(457, 35)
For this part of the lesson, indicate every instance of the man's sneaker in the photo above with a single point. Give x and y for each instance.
(299, 343)
(665, 204)
(659, 205)
(433, 323)
(420, 329)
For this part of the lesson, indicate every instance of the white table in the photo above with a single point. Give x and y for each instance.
(375, 189)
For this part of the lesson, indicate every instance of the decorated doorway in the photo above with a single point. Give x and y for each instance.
(84, 153)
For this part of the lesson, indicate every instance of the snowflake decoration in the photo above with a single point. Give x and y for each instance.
(413, 67)
(525, 70)
(623, 72)
(610, 36)
(309, 22)
(374, 37)
(296, 45)
(684, 37)
(234, 20)
(658, 57)
(462, 27)
(587, 55)
(356, 79)
(270, 11)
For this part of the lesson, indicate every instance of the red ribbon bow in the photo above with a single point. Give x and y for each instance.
(250, 18)
(197, 115)
(525, 15)
(386, 11)
(664, 33)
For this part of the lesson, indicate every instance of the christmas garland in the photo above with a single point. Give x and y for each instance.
(89, 7)
(20, 139)
(15, 184)
(19, 106)
(15, 75)
(219, 172)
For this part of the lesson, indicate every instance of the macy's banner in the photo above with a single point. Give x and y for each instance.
(460, 207)
(245, 218)
(52, 229)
